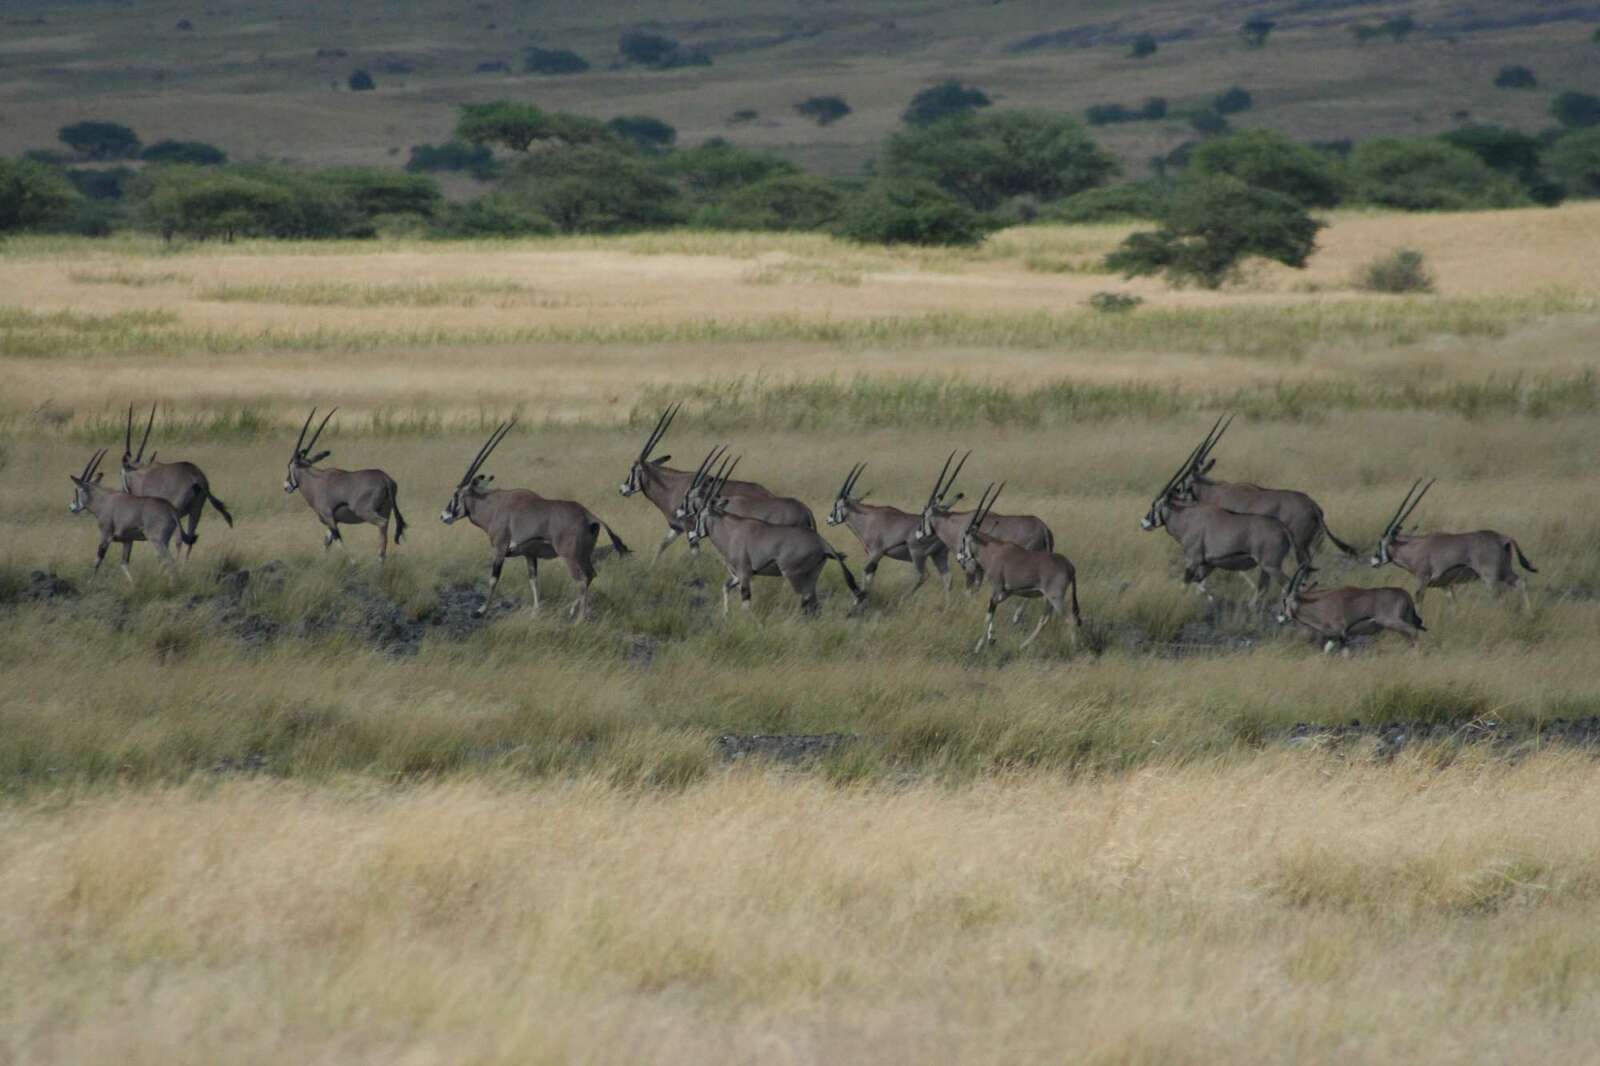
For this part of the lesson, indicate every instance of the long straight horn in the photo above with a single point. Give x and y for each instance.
(1400, 512)
(1183, 471)
(861, 468)
(658, 432)
(992, 498)
(705, 464)
(147, 427)
(938, 481)
(94, 462)
(300, 441)
(1414, 503)
(489, 445)
(1213, 438)
(844, 486)
(722, 480)
(127, 433)
(312, 443)
(948, 485)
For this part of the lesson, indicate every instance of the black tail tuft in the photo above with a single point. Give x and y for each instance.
(1523, 559)
(399, 519)
(222, 509)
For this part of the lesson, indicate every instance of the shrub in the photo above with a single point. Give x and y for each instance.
(1514, 154)
(1400, 271)
(1143, 45)
(195, 153)
(1114, 303)
(1428, 175)
(1108, 114)
(662, 53)
(1398, 28)
(100, 140)
(553, 61)
(643, 132)
(476, 159)
(1231, 101)
(227, 202)
(360, 82)
(1212, 223)
(715, 168)
(517, 126)
(944, 100)
(372, 192)
(99, 184)
(1575, 162)
(1207, 122)
(1256, 30)
(784, 202)
(490, 216)
(32, 195)
(1515, 78)
(911, 211)
(593, 189)
(823, 110)
(743, 116)
(1576, 110)
(492, 66)
(1269, 160)
(1153, 109)
(1108, 204)
(986, 159)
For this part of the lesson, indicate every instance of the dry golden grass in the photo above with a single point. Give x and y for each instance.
(1291, 908)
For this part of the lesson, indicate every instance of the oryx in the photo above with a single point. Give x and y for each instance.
(887, 532)
(665, 487)
(778, 510)
(1294, 509)
(183, 485)
(1016, 571)
(941, 521)
(1333, 616)
(520, 522)
(751, 547)
(1444, 560)
(1213, 538)
(343, 496)
(124, 517)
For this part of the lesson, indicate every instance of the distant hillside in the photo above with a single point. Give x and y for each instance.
(269, 79)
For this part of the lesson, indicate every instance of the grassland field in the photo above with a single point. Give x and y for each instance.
(309, 821)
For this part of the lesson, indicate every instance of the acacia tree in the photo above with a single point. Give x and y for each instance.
(100, 140)
(518, 126)
(32, 194)
(1209, 225)
(985, 159)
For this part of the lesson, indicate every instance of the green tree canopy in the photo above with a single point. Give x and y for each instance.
(985, 159)
(518, 126)
(942, 101)
(784, 202)
(100, 140)
(198, 153)
(1428, 175)
(1576, 110)
(1269, 160)
(1210, 224)
(593, 189)
(911, 211)
(716, 167)
(32, 195)
(1574, 160)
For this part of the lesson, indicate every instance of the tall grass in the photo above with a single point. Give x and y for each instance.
(371, 294)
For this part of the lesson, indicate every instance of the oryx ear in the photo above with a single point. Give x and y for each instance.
(864, 495)
(1209, 463)
(97, 478)
(659, 460)
(957, 498)
(319, 457)
(488, 479)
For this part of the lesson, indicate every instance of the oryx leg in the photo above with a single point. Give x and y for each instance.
(186, 544)
(332, 535)
(495, 565)
(727, 587)
(870, 569)
(166, 554)
(941, 562)
(581, 576)
(127, 553)
(804, 583)
(533, 578)
(99, 557)
(666, 542)
(995, 599)
(1051, 609)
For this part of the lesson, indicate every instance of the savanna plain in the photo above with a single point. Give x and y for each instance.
(320, 813)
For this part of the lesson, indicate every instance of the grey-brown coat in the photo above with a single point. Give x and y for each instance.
(344, 497)
(124, 517)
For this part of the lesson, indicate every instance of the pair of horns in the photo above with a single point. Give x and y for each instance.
(301, 445)
(658, 432)
(1407, 505)
(941, 485)
(1195, 458)
(488, 446)
(850, 480)
(92, 465)
(127, 434)
(985, 505)
(717, 480)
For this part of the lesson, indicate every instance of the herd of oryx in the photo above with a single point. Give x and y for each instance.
(1230, 526)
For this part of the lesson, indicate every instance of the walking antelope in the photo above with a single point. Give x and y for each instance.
(751, 547)
(1444, 560)
(343, 496)
(520, 522)
(183, 485)
(1216, 539)
(1335, 615)
(666, 487)
(1016, 571)
(778, 510)
(1294, 509)
(887, 532)
(125, 517)
(941, 521)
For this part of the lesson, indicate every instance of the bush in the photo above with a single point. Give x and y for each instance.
(100, 140)
(1398, 28)
(715, 168)
(1153, 109)
(490, 216)
(785, 202)
(32, 195)
(911, 211)
(1515, 78)
(492, 66)
(553, 61)
(195, 153)
(1207, 122)
(99, 184)
(1576, 110)
(986, 159)
(823, 110)
(360, 82)
(1401, 271)
(256, 201)
(662, 53)
(372, 192)
(944, 100)
(1108, 204)
(517, 126)
(644, 133)
(1269, 160)
(1143, 45)
(1231, 101)
(1108, 114)
(1114, 303)
(1575, 162)
(593, 189)
(1428, 175)
(1209, 225)
(742, 117)
(1256, 30)
(476, 159)
(1514, 154)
